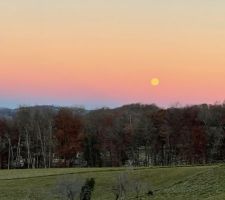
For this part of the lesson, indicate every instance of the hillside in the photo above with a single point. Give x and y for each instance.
(201, 182)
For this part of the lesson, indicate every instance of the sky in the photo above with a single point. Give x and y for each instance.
(96, 53)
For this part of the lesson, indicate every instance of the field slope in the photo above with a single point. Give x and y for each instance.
(175, 183)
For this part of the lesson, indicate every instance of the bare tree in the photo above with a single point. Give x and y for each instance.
(69, 188)
(120, 189)
(129, 187)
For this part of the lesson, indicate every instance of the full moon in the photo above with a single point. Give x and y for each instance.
(155, 82)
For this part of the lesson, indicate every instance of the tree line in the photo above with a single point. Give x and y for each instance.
(133, 135)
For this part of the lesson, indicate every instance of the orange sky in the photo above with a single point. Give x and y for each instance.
(98, 53)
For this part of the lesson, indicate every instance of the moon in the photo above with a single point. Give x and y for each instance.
(155, 82)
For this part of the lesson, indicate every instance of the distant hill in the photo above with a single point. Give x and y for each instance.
(7, 113)
(10, 113)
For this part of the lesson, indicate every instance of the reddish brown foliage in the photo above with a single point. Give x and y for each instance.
(68, 133)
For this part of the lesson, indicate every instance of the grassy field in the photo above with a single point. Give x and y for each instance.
(176, 183)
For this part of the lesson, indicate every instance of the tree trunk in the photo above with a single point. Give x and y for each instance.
(9, 152)
(18, 152)
(28, 149)
(42, 147)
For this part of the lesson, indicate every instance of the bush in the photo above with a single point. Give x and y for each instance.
(87, 189)
(74, 188)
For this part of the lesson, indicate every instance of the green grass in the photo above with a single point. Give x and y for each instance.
(175, 183)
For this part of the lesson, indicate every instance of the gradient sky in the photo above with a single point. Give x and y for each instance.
(104, 53)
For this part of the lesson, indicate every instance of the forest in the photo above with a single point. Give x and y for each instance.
(131, 135)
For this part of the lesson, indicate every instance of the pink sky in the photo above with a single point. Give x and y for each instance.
(105, 54)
